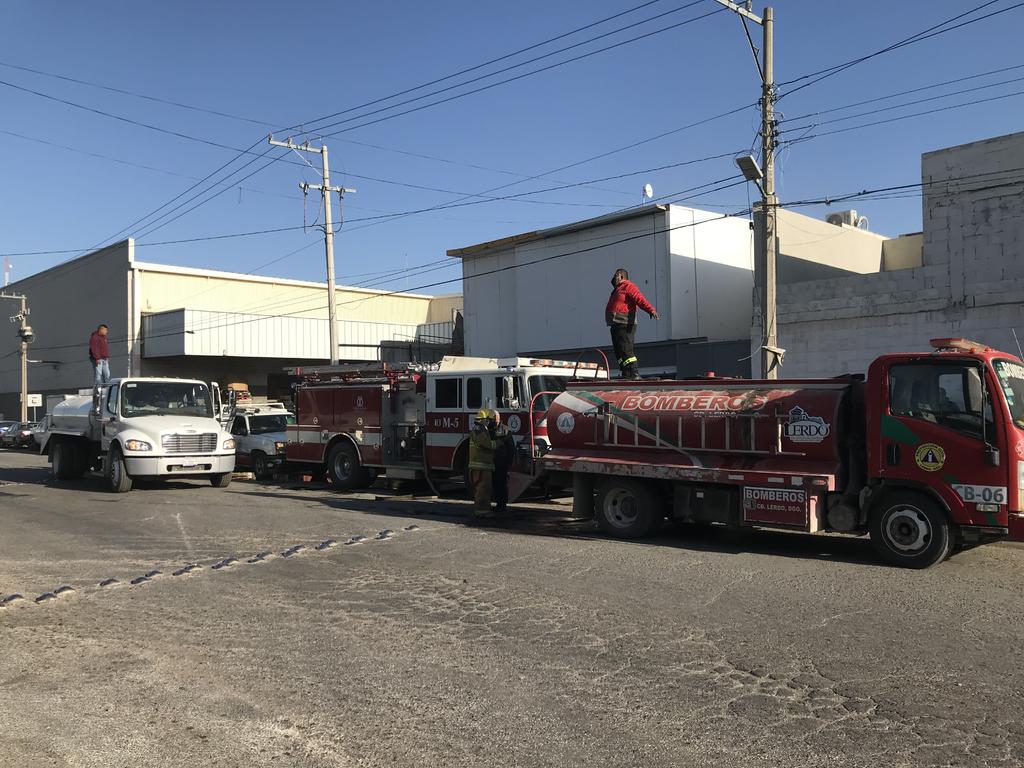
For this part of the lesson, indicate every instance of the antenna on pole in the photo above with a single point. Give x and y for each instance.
(647, 193)
(7, 271)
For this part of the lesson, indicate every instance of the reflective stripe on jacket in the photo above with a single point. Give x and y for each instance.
(481, 450)
(622, 304)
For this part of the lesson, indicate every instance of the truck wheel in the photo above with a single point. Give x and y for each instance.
(117, 474)
(260, 470)
(910, 530)
(344, 469)
(627, 509)
(222, 480)
(63, 457)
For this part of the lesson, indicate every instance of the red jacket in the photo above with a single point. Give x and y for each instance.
(98, 347)
(622, 304)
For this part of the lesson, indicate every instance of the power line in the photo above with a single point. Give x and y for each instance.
(499, 82)
(137, 95)
(933, 31)
(901, 106)
(902, 117)
(903, 93)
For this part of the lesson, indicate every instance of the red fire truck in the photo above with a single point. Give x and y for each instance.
(410, 421)
(926, 454)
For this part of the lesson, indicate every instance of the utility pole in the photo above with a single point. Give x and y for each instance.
(770, 355)
(25, 335)
(326, 189)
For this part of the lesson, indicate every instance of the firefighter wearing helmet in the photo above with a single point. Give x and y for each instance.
(482, 445)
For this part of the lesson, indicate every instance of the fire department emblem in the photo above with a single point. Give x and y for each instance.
(514, 423)
(930, 457)
(804, 428)
(565, 423)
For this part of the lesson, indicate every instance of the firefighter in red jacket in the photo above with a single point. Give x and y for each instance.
(620, 314)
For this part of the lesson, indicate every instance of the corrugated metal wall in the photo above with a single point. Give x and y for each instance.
(227, 334)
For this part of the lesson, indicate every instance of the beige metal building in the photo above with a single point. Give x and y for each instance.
(223, 326)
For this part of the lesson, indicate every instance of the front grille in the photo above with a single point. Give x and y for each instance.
(204, 443)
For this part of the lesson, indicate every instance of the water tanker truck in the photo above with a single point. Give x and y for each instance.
(926, 454)
(141, 428)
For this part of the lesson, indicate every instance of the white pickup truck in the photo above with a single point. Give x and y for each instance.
(141, 428)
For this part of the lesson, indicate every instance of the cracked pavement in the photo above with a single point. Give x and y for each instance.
(355, 631)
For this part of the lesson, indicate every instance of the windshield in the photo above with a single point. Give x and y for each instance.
(263, 425)
(546, 384)
(1011, 381)
(165, 398)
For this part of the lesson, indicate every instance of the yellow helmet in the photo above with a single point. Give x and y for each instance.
(483, 415)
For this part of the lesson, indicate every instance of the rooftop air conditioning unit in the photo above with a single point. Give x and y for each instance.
(849, 218)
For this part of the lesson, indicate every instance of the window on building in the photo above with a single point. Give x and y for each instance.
(448, 393)
(474, 392)
(949, 395)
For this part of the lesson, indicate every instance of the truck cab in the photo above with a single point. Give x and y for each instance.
(260, 432)
(519, 389)
(949, 425)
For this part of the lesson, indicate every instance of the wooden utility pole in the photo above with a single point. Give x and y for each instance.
(326, 189)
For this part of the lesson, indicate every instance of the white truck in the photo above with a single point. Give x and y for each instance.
(150, 428)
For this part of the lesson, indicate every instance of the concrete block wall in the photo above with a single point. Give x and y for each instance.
(971, 282)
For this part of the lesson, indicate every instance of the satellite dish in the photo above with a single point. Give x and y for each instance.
(648, 191)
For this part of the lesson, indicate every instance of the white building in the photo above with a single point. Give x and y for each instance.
(175, 321)
(545, 292)
(967, 281)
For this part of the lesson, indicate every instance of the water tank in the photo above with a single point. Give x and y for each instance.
(72, 414)
(694, 420)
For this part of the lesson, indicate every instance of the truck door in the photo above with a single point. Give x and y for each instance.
(508, 398)
(447, 425)
(936, 420)
(108, 416)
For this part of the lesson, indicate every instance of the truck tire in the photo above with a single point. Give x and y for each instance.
(222, 480)
(627, 509)
(910, 530)
(260, 469)
(63, 457)
(344, 468)
(118, 479)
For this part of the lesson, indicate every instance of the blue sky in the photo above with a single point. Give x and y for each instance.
(284, 65)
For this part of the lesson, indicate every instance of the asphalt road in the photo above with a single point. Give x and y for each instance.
(431, 642)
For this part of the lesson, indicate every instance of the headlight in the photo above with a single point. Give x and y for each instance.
(229, 445)
(137, 445)
(279, 447)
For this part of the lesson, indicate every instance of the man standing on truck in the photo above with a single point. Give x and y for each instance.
(620, 315)
(99, 356)
(482, 444)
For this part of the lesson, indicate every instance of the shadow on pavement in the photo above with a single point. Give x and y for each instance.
(528, 519)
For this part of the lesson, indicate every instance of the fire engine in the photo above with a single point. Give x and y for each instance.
(355, 421)
(926, 454)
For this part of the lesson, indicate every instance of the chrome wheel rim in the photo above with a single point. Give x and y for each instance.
(620, 508)
(908, 530)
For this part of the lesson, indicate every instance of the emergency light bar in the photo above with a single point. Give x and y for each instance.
(960, 345)
(562, 364)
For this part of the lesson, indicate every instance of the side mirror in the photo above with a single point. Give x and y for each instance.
(991, 455)
(508, 395)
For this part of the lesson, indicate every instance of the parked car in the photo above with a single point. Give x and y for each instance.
(259, 432)
(18, 436)
(4, 426)
(40, 429)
